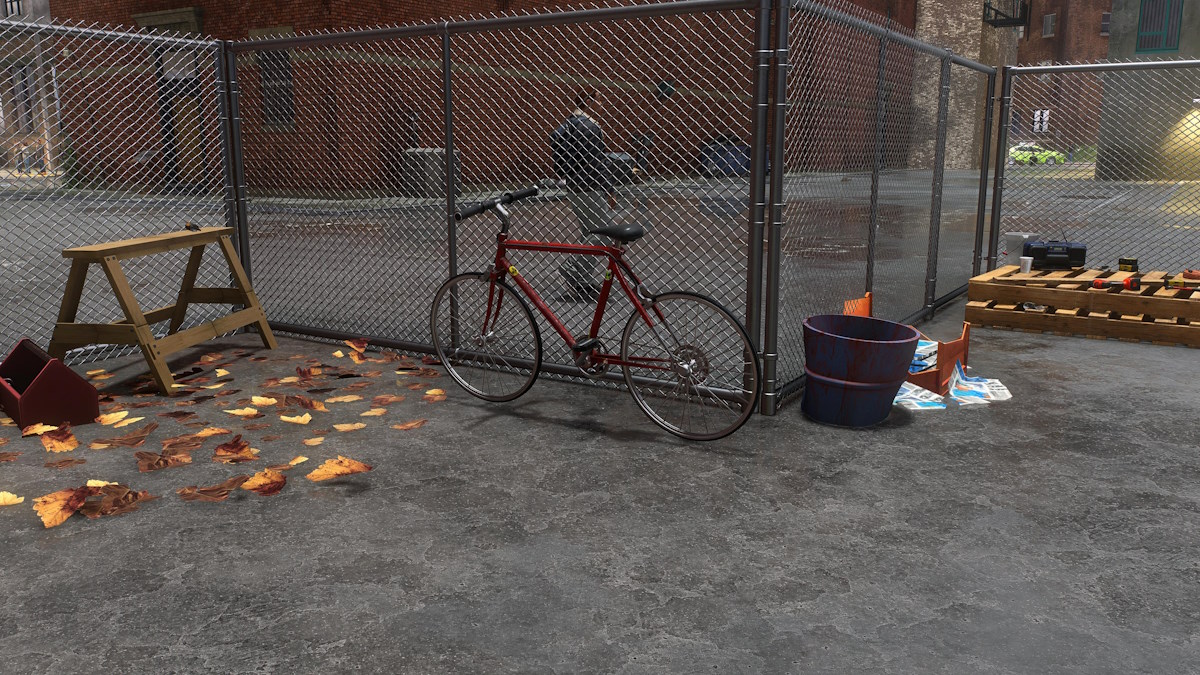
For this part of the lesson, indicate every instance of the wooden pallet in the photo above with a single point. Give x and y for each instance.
(1064, 302)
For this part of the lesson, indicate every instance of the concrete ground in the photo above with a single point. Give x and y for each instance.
(1055, 533)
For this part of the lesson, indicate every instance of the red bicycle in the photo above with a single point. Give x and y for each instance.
(687, 360)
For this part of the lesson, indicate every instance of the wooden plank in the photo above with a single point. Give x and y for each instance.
(207, 331)
(159, 243)
(153, 316)
(94, 333)
(999, 271)
(125, 298)
(242, 282)
(215, 296)
(1091, 326)
(74, 291)
(189, 282)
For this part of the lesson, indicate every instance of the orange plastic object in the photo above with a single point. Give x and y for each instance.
(937, 378)
(858, 306)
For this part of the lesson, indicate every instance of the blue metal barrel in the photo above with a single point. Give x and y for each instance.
(855, 365)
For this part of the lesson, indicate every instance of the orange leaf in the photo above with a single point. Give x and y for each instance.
(338, 354)
(344, 399)
(245, 413)
(3, 441)
(434, 398)
(263, 400)
(311, 442)
(152, 461)
(297, 419)
(305, 402)
(127, 421)
(211, 357)
(358, 357)
(212, 493)
(132, 439)
(234, 452)
(114, 500)
(56, 507)
(359, 345)
(387, 399)
(9, 456)
(266, 482)
(349, 427)
(60, 440)
(64, 463)
(112, 418)
(335, 468)
(374, 412)
(37, 429)
(408, 426)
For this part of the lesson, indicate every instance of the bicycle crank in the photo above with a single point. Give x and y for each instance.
(585, 359)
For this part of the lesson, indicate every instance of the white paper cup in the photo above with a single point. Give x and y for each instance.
(1026, 264)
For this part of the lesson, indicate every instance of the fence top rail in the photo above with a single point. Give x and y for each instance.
(1105, 67)
(91, 33)
(494, 23)
(825, 12)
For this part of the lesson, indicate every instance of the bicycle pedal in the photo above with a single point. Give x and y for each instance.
(586, 345)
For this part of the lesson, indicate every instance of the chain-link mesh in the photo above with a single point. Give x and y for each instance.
(860, 153)
(1107, 157)
(105, 136)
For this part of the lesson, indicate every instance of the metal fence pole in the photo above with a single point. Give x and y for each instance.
(223, 106)
(758, 172)
(448, 122)
(1001, 157)
(877, 166)
(984, 164)
(236, 160)
(770, 356)
(935, 202)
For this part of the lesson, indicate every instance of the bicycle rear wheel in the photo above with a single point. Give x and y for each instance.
(485, 335)
(694, 371)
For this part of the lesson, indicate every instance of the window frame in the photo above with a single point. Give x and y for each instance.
(13, 8)
(1105, 24)
(1052, 19)
(1172, 7)
(279, 90)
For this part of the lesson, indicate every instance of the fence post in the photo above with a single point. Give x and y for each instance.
(448, 122)
(231, 218)
(236, 167)
(935, 201)
(1001, 163)
(881, 97)
(758, 173)
(985, 158)
(770, 355)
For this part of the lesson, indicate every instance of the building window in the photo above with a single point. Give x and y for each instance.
(1105, 22)
(1048, 25)
(279, 108)
(12, 7)
(23, 100)
(1158, 25)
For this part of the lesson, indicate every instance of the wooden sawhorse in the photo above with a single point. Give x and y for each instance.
(134, 329)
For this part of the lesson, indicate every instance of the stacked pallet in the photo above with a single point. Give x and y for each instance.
(1064, 302)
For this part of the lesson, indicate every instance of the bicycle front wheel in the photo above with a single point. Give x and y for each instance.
(485, 335)
(692, 370)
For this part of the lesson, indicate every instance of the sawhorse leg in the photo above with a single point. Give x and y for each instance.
(133, 313)
(251, 300)
(185, 289)
(70, 304)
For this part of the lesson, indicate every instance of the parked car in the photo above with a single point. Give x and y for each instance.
(1034, 154)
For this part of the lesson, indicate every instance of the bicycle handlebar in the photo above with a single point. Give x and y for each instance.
(506, 198)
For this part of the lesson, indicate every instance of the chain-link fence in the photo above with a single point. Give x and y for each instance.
(104, 135)
(342, 157)
(1107, 154)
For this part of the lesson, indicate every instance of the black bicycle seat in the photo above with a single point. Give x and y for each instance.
(622, 233)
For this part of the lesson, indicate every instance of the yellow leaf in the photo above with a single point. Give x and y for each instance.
(221, 372)
(334, 468)
(112, 418)
(349, 398)
(349, 427)
(408, 426)
(126, 422)
(435, 392)
(7, 421)
(99, 483)
(266, 482)
(313, 442)
(263, 400)
(211, 431)
(289, 380)
(339, 354)
(298, 459)
(215, 386)
(243, 412)
(374, 412)
(37, 429)
(9, 499)
(98, 371)
(297, 419)
(60, 440)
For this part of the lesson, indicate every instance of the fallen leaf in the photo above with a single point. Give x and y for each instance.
(101, 376)
(263, 400)
(374, 412)
(338, 354)
(9, 456)
(358, 345)
(112, 418)
(114, 500)
(409, 426)
(235, 451)
(3, 441)
(430, 360)
(415, 386)
(344, 399)
(7, 421)
(305, 402)
(387, 399)
(358, 357)
(334, 468)
(218, 386)
(428, 372)
(97, 371)
(434, 398)
(436, 392)
(153, 461)
(60, 440)
(245, 413)
(349, 427)
(221, 372)
(266, 482)
(310, 442)
(127, 421)
(9, 499)
(271, 438)
(64, 463)
(56, 507)
(99, 483)
(357, 386)
(297, 419)
(132, 439)
(37, 429)
(372, 373)
(259, 359)
(211, 358)
(212, 493)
